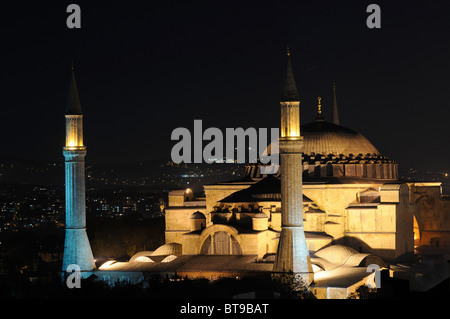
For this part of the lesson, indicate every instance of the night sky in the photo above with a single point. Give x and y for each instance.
(145, 68)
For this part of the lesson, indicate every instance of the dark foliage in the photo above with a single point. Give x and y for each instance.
(113, 237)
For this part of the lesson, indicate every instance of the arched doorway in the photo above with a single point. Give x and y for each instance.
(221, 243)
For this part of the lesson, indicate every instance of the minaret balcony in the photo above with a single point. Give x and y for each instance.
(74, 148)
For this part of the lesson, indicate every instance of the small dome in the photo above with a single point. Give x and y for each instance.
(260, 215)
(144, 254)
(107, 264)
(337, 254)
(198, 215)
(168, 259)
(168, 249)
(143, 259)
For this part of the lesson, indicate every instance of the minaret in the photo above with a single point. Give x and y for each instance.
(292, 254)
(77, 249)
(335, 118)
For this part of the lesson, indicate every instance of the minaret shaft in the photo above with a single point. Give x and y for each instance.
(77, 249)
(291, 185)
(75, 188)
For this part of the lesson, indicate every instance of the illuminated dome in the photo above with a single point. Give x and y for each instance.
(326, 138)
(337, 254)
(168, 249)
(332, 150)
(142, 256)
(260, 215)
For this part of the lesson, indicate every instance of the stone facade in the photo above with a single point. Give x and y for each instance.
(179, 215)
(373, 218)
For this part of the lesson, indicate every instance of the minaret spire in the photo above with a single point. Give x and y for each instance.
(335, 118)
(290, 92)
(73, 106)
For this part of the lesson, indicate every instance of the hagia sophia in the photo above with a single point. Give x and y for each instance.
(335, 206)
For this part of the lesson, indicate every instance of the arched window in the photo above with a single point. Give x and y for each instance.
(221, 243)
(329, 169)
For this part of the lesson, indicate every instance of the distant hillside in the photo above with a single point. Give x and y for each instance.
(14, 170)
(155, 173)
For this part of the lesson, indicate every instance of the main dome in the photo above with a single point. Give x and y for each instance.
(331, 150)
(320, 137)
(325, 138)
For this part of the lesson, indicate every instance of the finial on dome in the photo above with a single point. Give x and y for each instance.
(319, 116)
(319, 106)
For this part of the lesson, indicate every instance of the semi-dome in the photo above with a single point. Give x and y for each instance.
(321, 137)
